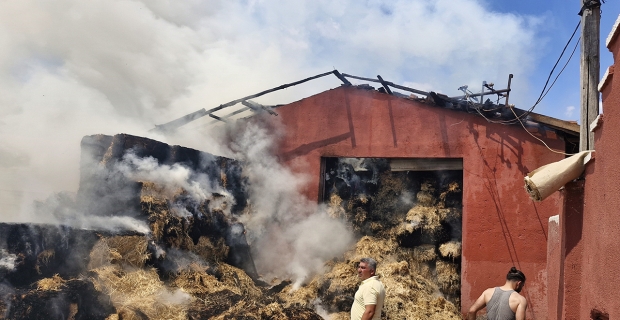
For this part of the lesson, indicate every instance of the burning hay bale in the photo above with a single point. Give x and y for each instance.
(427, 218)
(334, 208)
(452, 187)
(197, 281)
(378, 248)
(425, 196)
(194, 261)
(301, 297)
(451, 250)
(140, 291)
(412, 225)
(340, 280)
(54, 283)
(56, 298)
(44, 258)
(211, 251)
(239, 281)
(124, 250)
(448, 277)
(425, 252)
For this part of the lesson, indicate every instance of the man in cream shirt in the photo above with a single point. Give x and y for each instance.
(371, 293)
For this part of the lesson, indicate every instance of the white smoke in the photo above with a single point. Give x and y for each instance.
(291, 236)
(61, 208)
(170, 177)
(93, 212)
(72, 68)
(7, 260)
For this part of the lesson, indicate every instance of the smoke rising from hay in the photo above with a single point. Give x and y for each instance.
(171, 178)
(106, 202)
(291, 235)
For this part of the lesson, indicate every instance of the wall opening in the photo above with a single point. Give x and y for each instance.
(417, 203)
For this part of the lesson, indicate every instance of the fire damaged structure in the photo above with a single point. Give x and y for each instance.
(431, 187)
(486, 158)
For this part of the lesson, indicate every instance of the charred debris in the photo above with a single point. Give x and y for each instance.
(193, 244)
(195, 263)
(487, 104)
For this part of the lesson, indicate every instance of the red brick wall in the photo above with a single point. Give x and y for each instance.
(502, 227)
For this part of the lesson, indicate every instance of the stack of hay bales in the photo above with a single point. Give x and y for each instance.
(182, 268)
(417, 250)
(193, 283)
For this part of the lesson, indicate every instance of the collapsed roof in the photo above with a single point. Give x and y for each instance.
(493, 112)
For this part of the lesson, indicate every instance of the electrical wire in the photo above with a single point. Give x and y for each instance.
(535, 137)
(544, 91)
(569, 58)
(556, 64)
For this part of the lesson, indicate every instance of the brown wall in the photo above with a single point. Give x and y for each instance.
(502, 227)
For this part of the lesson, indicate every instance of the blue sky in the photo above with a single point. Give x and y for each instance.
(71, 68)
(560, 20)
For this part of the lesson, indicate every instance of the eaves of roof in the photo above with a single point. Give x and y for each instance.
(499, 112)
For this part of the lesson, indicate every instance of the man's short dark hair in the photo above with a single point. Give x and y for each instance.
(370, 262)
(515, 275)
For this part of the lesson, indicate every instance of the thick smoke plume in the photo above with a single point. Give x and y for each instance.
(291, 235)
(71, 68)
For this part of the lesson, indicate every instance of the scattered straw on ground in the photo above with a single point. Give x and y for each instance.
(273, 311)
(340, 316)
(245, 309)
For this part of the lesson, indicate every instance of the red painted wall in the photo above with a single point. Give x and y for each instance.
(555, 286)
(600, 234)
(502, 227)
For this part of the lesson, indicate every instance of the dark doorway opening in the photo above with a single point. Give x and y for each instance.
(416, 202)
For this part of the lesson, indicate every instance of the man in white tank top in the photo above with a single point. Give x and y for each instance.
(505, 302)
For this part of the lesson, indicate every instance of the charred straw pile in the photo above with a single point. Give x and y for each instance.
(194, 261)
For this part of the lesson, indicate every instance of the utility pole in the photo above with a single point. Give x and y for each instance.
(590, 69)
